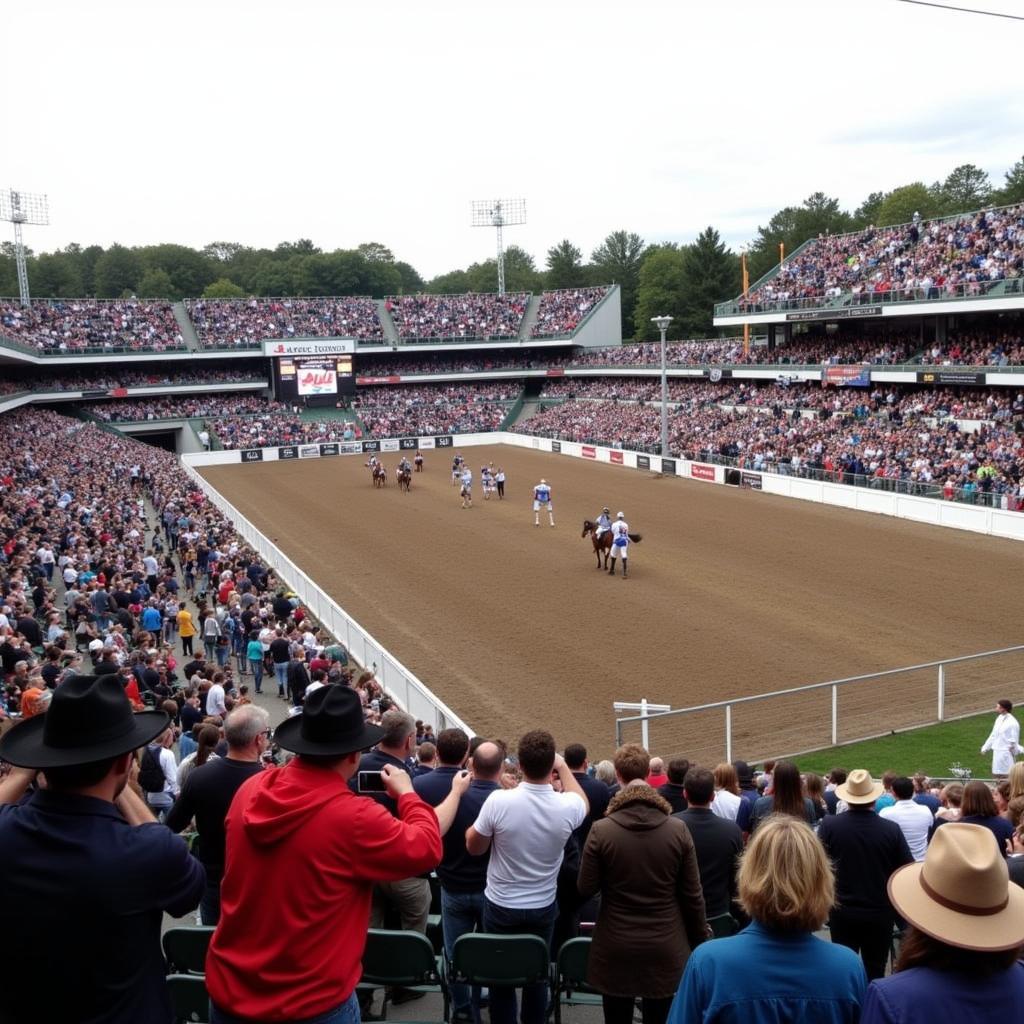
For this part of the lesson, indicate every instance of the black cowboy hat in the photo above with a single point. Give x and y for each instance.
(90, 719)
(331, 723)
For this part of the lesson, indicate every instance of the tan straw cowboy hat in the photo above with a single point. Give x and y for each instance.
(961, 893)
(859, 788)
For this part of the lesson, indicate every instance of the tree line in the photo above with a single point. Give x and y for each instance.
(683, 281)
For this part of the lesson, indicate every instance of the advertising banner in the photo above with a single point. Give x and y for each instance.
(751, 480)
(252, 454)
(717, 373)
(855, 376)
(847, 313)
(668, 466)
(370, 446)
(643, 462)
(317, 381)
(393, 379)
(588, 451)
(389, 446)
(700, 472)
(350, 448)
(555, 372)
(949, 375)
(556, 447)
(407, 444)
(309, 451)
(290, 451)
(310, 347)
(443, 442)
(329, 449)
(426, 442)
(615, 457)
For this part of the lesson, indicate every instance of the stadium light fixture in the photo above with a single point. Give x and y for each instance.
(662, 323)
(23, 208)
(498, 214)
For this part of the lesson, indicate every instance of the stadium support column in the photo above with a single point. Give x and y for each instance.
(771, 337)
(662, 324)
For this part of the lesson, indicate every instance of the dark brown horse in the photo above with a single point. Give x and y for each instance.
(602, 545)
(404, 478)
(380, 476)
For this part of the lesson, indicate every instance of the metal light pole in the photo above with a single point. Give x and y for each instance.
(663, 322)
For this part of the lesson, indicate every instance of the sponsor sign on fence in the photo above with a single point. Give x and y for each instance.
(350, 448)
(615, 457)
(556, 372)
(643, 462)
(389, 446)
(849, 313)
(393, 379)
(668, 466)
(252, 454)
(949, 376)
(701, 472)
(290, 451)
(407, 444)
(556, 447)
(751, 480)
(371, 446)
(717, 373)
(309, 451)
(426, 442)
(329, 449)
(847, 376)
(589, 451)
(443, 442)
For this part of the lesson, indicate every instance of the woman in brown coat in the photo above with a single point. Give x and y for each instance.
(642, 862)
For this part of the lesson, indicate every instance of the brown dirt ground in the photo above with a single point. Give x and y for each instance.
(731, 593)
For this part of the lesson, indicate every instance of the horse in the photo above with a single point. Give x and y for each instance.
(380, 476)
(602, 545)
(404, 478)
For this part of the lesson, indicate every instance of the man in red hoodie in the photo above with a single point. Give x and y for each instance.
(303, 852)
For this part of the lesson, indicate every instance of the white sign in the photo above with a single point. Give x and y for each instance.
(317, 382)
(310, 347)
(389, 446)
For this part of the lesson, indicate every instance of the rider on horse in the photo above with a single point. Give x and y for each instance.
(604, 522)
(404, 466)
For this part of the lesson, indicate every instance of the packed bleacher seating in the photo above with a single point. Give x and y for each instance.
(55, 326)
(407, 410)
(458, 316)
(562, 312)
(456, 362)
(127, 410)
(247, 323)
(102, 378)
(276, 423)
(933, 259)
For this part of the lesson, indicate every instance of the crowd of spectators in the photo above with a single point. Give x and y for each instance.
(562, 312)
(74, 325)
(400, 410)
(162, 407)
(919, 260)
(247, 323)
(104, 379)
(458, 316)
(277, 423)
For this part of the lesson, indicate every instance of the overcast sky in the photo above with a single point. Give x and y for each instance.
(350, 122)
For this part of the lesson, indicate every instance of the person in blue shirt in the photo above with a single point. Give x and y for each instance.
(775, 969)
(541, 497)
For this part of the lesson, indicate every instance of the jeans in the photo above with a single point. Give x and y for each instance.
(209, 905)
(345, 1013)
(186, 645)
(461, 913)
(509, 921)
(222, 651)
(256, 664)
(281, 671)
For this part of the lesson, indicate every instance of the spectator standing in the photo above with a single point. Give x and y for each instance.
(160, 800)
(186, 628)
(298, 678)
(865, 849)
(641, 861)
(978, 807)
(254, 655)
(915, 820)
(922, 794)
(1004, 740)
(216, 700)
(836, 777)
(718, 843)
(280, 655)
(526, 830)
(787, 797)
(208, 790)
(596, 792)
(960, 956)
(672, 791)
(727, 800)
(303, 852)
(775, 969)
(657, 778)
(89, 872)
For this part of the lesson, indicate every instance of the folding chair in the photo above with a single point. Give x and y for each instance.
(571, 988)
(189, 999)
(503, 960)
(185, 949)
(401, 960)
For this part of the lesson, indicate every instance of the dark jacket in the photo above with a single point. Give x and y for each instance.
(865, 850)
(643, 863)
(673, 793)
(597, 796)
(718, 843)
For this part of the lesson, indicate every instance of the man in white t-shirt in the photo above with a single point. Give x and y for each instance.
(526, 830)
(215, 701)
(915, 820)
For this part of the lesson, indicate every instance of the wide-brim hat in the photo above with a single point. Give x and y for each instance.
(960, 893)
(331, 723)
(859, 788)
(89, 719)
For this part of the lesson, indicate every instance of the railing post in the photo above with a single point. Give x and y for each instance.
(644, 733)
(942, 692)
(835, 714)
(728, 733)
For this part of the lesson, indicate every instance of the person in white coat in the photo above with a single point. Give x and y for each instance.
(620, 543)
(1004, 740)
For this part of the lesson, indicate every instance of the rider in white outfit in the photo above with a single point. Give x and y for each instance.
(541, 497)
(620, 543)
(1004, 740)
(604, 522)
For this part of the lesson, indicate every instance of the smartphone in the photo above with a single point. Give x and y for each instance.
(371, 782)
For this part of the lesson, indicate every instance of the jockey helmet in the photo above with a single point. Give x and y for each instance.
(607, 510)
(620, 515)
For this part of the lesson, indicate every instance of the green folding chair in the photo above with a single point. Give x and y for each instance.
(185, 949)
(397, 959)
(571, 988)
(189, 999)
(499, 960)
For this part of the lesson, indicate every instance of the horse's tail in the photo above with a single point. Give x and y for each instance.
(636, 538)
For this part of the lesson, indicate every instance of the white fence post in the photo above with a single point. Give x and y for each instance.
(835, 714)
(942, 692)
(728, 733)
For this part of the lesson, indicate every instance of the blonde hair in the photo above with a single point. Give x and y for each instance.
(727, 779)
(785, 879)
(1017, 780)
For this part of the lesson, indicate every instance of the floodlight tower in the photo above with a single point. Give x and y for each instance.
(23, 208)
(499, 213)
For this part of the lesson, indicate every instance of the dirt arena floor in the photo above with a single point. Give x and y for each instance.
(731, 593)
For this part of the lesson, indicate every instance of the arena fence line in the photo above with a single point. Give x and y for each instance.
(802, 719)
(399, 683)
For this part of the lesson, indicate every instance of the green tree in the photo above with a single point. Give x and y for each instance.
(455, 282)
(966, 188)
(564, 266)
(867, 213)
(617, 260)
(156, 283)
(222, 252)
(189, 271)
(792, 226)
(117, 272)
(374, 252)
(410, 280)
(711, 273)
(900, 205)
(56, 275)
(660, 291)
(520, 273)
(1013, 187)
(223, 288)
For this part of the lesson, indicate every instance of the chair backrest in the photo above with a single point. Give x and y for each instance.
(398, 958)
(500, 960)
(185, 949)
(572, 965)
(189, 999)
